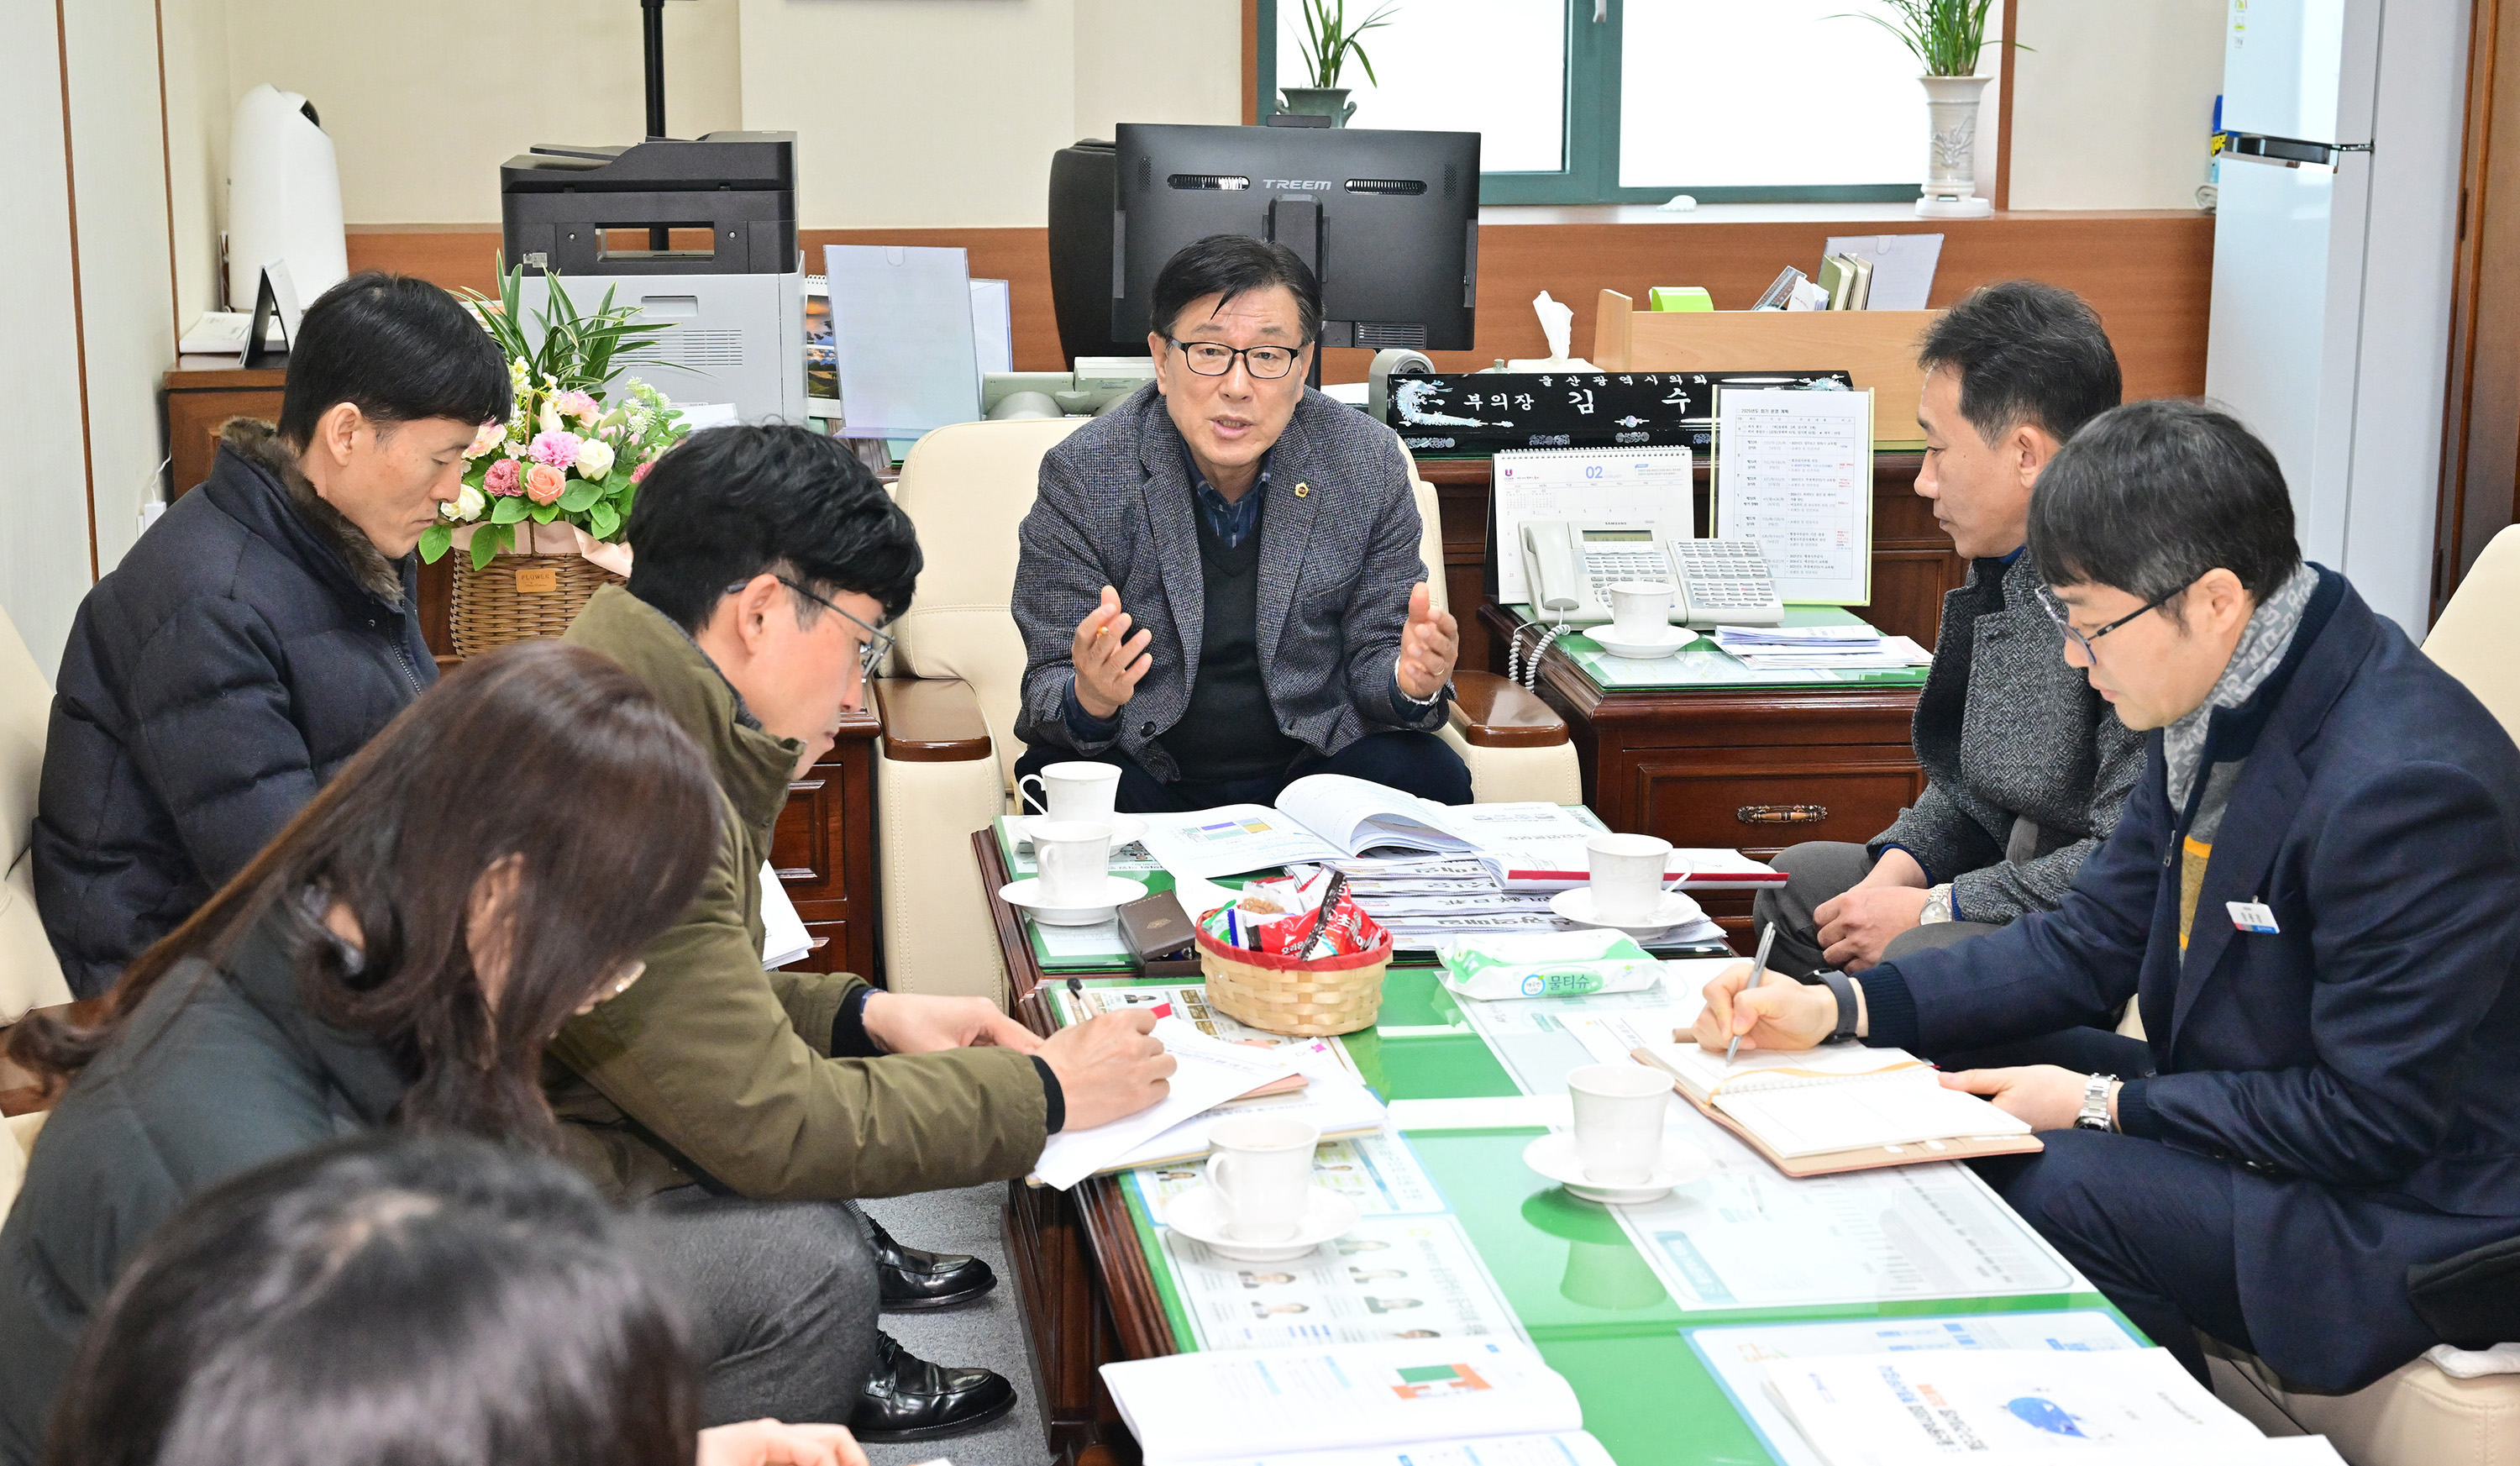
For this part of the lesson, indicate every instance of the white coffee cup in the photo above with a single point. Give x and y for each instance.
(1640, 609)
(1618, 1121)
(1627, 877)
(1075, 790)
(1074, 857)
(1263, 1173)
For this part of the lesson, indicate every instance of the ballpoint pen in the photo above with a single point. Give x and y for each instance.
(1758, 975)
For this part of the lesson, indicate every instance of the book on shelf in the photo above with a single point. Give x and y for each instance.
(1843, 1107)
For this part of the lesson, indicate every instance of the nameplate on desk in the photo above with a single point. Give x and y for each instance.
(1485, 411)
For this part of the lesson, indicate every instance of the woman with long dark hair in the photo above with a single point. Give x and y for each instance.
(488, 866)
(398, 1299)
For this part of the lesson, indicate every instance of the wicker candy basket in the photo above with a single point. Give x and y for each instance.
(1309, 1000)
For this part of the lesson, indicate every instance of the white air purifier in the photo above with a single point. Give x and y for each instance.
(284, 198)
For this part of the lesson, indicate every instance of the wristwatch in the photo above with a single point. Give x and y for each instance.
(1937, 907)
(1843, 987)
(2095, 1114)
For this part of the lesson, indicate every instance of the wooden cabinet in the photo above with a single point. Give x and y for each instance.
(824, 851)
(1913, 559)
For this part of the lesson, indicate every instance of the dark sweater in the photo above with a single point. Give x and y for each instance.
(1230, 730)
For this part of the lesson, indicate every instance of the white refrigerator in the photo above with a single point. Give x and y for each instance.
(2336, 220)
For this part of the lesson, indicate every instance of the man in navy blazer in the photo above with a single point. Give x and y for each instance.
(2314, 897)
(1220, 589)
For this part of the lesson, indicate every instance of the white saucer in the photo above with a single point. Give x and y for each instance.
(1126, 829)
(1117, 891)
(1576, 904)
(1200, 1213)
(1553, 1155)
(1648, 650)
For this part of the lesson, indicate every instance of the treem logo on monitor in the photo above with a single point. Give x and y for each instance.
(1303, 183)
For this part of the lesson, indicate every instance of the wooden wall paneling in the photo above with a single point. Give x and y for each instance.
(2481, 431)
(2150, 273)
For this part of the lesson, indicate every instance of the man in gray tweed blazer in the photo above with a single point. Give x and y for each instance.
(1219, 587)
(2027, 767)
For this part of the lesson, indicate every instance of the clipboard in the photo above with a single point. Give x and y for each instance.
(1869, 1158)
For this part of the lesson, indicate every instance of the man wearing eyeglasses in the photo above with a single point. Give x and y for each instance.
(741, 1110)
(2026, 767)
(1220, 589)
(2314, 901)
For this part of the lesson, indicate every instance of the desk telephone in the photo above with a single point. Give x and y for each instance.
(1571, 566)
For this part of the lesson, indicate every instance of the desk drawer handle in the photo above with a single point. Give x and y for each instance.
(1782, 814)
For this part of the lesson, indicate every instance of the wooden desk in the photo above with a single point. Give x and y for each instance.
(1913, 559)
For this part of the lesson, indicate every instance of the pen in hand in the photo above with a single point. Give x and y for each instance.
(1758, 975)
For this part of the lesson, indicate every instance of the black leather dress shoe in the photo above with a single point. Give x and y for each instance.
(914, 1280)
(908, 1398)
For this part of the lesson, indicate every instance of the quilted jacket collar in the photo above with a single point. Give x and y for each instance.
(257, 446)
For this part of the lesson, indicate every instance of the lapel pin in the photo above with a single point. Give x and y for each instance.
(1301, 490)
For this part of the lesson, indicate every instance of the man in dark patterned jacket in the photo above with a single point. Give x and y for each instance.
(2027, 768)
(1220, 589)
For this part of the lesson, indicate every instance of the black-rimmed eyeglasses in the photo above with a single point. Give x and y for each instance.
(870, 652)
(2057, 611)
(1214, 358)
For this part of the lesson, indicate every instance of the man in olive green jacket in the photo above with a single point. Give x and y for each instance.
(765, 560)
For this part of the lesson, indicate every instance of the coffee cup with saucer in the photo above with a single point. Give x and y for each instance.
(1649, 644)
(1674, 909)
(1676, 1163)
(1075, 888)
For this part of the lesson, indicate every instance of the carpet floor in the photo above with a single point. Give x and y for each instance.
(989, 1333)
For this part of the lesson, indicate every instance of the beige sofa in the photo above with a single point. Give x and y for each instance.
(949, 705)
(2420, 1416)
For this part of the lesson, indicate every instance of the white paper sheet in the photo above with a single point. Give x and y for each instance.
(1330, 1102)
(1747, 1236)
(784, 937)
(1236, 1403)
(1210, 1073)
(1793, 471)
(1902, 266)
(1565, 1449)
(1552, 483)
(901, 329)
(1389, 1277)
(1230, 840)
(1738, 1357)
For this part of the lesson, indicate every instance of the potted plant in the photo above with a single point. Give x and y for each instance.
(1329, 43)
(551, 488)
(1947, 36)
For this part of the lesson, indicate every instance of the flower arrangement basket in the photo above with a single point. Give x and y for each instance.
(1306, 998)
(519, 596)
(546, 493)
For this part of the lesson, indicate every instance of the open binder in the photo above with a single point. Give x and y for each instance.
(1832, 1110)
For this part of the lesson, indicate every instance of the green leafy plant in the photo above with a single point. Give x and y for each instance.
(564, 455)
(1946, 35)
(1330, 42)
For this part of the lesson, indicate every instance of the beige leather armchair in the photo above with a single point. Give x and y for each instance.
(29, 975)
(944, 764)
(2419, 1414)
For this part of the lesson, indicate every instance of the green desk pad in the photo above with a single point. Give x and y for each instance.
(1702, 665)
(1646, 1396)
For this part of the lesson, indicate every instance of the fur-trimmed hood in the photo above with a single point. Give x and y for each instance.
(258, 443)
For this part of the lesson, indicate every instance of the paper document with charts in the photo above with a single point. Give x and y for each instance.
(1353, 1404)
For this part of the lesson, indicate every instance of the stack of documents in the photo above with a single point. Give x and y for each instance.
(1856, 647)
(2129, 1407)
(1419, 1400)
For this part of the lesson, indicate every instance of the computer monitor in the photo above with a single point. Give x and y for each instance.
(1388, 220)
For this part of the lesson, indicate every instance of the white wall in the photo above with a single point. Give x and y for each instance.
(2113, 105)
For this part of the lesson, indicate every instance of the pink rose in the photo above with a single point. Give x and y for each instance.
(578, 405)
(504, 478)
(640, 474)
(493, 433)
(544, 484)
(556, 449)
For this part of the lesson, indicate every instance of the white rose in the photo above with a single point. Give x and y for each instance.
(593, 458)
(468, 504)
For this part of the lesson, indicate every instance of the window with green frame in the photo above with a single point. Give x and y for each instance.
(1632, 101)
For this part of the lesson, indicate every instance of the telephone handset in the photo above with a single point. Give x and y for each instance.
(1572, 564)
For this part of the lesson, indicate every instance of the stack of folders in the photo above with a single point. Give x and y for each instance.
(1411, 1403)
(1858, 647)
(2124, 1407)
(1848, 279)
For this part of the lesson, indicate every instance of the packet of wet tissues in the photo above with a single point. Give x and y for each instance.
(1546, 964)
